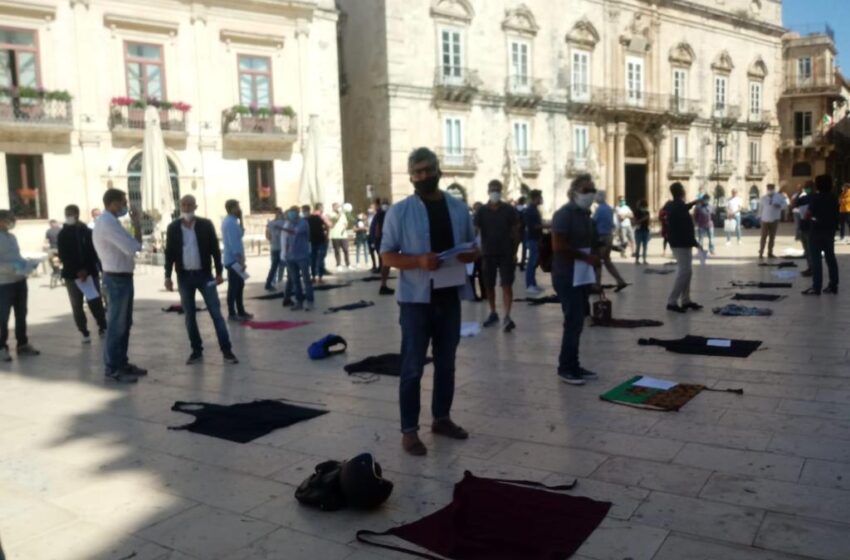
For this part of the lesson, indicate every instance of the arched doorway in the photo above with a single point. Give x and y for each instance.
(134, 189)
(635, 172)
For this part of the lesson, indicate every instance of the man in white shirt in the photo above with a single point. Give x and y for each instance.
(624, 225)
(117, 250)
(770, 212)
(733, 212)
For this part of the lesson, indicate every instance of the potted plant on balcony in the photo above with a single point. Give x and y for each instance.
(287, 117)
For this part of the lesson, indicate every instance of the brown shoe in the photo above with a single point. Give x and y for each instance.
(446, 427)
(413, 445)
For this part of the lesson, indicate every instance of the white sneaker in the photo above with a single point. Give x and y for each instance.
(86, 339)
(534, 290)
(340, 268)
(728, 243)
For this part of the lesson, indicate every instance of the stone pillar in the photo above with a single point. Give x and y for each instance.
(620, 162)
(610, 156)
(656, 196)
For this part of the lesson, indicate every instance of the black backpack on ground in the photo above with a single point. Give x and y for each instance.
(322, 488)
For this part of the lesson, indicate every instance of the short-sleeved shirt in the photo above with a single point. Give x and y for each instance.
(533, 222)
(642, 219)
(317, 229)
(497, 226)
(575, 225)
(624, 214)
(52, 236)
(604, 219)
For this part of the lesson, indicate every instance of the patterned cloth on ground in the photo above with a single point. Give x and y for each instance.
(705, 346)
(733, 310)
(242, 422)
(668, 400)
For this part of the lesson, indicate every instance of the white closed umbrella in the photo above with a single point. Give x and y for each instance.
(157, 197)
(511, 171)
(309, 189)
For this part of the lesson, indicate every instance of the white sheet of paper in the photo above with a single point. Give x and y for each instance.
(470, 329)
(719, 342)
(583, 273)
(785, 274)
(653, 383)
(88, 288)
(458, 249)
(451, 273)
(240, 271)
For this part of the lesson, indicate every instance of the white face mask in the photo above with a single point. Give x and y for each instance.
(188, 216)
(495, 196)
(585, 200)
(71, 220)
(385, 207)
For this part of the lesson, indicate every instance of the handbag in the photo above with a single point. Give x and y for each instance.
(602, 309)
(730, 225)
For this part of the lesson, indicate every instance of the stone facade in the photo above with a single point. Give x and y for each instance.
(218, 56)
(814, 99)
(557, 87)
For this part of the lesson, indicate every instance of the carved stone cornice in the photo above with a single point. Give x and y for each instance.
(29, 10)
(121, 21)
(520, 20)
(231, 36)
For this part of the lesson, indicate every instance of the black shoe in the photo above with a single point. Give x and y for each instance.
(287, 302)
(831, 290)
(806, 273)
(101, 332)
(692, 306)
(811, 292)
(133, 369)
(676, 308)
(230, 358)
(121, 377)
(509, 325)
(195, 358)
(571, 378)
(385, 291)
(491, 320)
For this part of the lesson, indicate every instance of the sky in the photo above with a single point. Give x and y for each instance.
(796, 13)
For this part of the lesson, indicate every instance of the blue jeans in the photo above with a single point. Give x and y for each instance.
(299, 279)
(709, 233)
(574, 305)
(641, 242)
(361, 245)
(421, 323)
(276, 270)
(235, 289)
(737, 218)
(14, 296)
(119, 319)
(318, 253)
(188, 283)
(531, 264)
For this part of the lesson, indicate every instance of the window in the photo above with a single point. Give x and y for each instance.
(680, 88)
(755, 151)
(18, 59)
(261, 187)
(720, 85)
(755, 100)
(520, 74)
(255, 81)
(581, 75)
(634, 80)
(802, 127)
(453, 140)
(804, 69)
(580, 142)
(720, 152)
(451, 54)
(521, 140)
(680, 148)
(145, 71)
(27, 196)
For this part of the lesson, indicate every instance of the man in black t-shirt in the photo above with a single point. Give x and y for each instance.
(318, 242)
(533, 222)
(498, 224)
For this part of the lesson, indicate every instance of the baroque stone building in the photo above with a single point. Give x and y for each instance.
(638, 92)
(237, 85)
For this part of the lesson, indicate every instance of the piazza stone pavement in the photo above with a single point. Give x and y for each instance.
(89, 471)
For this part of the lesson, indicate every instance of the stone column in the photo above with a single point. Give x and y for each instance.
(656, 196)
(620, 163)
(610, 156)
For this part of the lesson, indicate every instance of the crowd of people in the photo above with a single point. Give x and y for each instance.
(438, 244)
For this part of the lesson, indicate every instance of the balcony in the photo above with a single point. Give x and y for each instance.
(24, 119)
(455, 85)
(822, 83)
(816, 140)
(721, 170)
(263, 130)
(725, 114)
(127, 123)
(577, 164)
(530, 163)
(759, 120)
(681, 169)
(756, 170)
(522, 93)
(630, 105)
(458, 161)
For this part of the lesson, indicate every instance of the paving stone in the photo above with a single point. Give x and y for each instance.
(754, 463)
(807, 537)
(826, 473)
(685, 481)
(688, 547)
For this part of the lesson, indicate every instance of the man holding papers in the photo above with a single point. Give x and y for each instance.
(416, 232)
(14, 270)
(234, 261)
(574, 243)
(81, 271)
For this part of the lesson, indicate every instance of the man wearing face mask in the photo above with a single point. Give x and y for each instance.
(190, 246)
(498, 225)
(234, 261)
(117, 250)
(298, 260)
(415, 231)
(574, 241)
(771, 207)
(79, 262)
(13, 290)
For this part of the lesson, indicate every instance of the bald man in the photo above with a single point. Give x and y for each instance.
(191, 247)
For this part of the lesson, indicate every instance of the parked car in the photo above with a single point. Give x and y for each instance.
(750, 220)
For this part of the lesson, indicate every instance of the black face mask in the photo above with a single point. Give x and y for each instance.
(427, 186)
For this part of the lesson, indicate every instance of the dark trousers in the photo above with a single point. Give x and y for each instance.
(531, 264)
(14, 296)
(340, 246)
(436, 323)
(276, 269)
(318, 253)
(235, 289)
(373, 253)
(188, 283)
(95, 306)
(574, 305)
(820, 242)
(844, 221)
(119, 320)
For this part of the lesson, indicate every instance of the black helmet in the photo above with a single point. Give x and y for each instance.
(362, 483)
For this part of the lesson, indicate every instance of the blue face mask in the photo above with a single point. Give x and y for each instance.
(292, 216)
(123, 212)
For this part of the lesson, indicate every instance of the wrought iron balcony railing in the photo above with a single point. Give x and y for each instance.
(457, 159)
(530, 161)
(29, 111)
(681, 168)
(124, 117)
(756, 169)
(259, 123)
